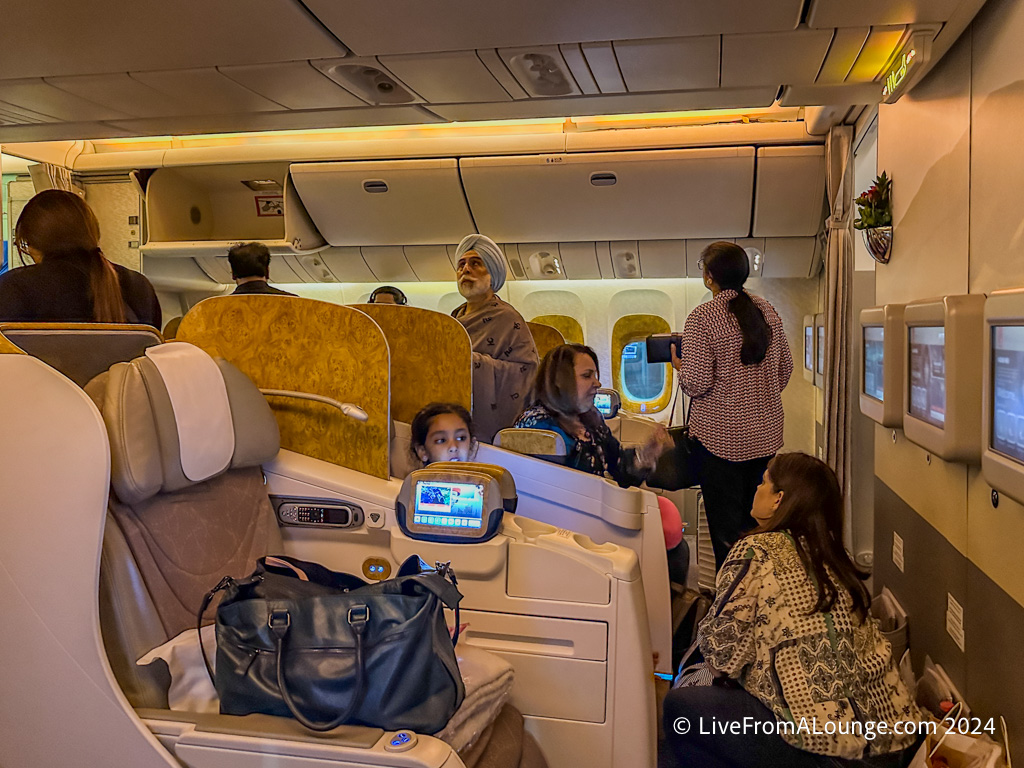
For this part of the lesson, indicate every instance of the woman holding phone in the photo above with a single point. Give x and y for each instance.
(735, 363)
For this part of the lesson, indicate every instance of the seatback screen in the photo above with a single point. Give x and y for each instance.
(603, 403)
(821, 349)
(809, 347)
(449, 505)
(874, 361)
(1008, 391)
(928, 374)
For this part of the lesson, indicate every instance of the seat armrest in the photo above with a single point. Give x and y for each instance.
(265, 727)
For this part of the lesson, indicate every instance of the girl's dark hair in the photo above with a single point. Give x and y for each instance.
(729, 266)
(60, 224)
(811, 510)
(421, 422)
(555, 386)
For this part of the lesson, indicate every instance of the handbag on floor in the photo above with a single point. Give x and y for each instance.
(296, 639)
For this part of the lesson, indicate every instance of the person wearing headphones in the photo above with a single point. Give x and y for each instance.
(387, 294)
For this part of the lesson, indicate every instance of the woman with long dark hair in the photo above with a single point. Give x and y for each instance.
(71, 280)
(796, 654)
(562, 400)
(735, 363)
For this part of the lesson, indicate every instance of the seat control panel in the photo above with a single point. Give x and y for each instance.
(319, 513)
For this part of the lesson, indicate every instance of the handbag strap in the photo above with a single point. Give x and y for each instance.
(207, 599)
(358, 618)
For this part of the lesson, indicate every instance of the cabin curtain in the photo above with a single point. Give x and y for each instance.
(838, 299)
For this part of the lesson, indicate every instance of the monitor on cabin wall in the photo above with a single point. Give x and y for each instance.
(942, 355)
(881, 347)
(1002, 452)
(819, 350)
(810, 350)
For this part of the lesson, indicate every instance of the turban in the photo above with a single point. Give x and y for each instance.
(491, 254)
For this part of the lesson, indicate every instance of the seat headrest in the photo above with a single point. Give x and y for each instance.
(532, 442)
(176, 417)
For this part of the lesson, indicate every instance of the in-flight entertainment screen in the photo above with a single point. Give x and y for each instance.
(449, 505)
(928, 374)
(1008, 391)
(874, 361)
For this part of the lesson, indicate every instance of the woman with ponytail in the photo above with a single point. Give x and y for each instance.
(71, 281)
(735, 363)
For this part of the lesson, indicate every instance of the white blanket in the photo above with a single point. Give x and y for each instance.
(488, 680)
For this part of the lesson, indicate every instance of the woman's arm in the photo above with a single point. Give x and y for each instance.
(785, 356)
(697, 366)
(729, 631)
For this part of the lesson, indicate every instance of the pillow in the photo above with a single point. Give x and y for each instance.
(191, 688)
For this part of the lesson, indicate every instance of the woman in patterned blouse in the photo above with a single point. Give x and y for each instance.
(734, 364)
(793, 646)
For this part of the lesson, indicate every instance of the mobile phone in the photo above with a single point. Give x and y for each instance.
(659, 347)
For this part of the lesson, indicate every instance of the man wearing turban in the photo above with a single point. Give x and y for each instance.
(504, 354)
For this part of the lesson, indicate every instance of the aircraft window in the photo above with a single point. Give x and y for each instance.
(642, 382)
(645, 388)
(569, 327)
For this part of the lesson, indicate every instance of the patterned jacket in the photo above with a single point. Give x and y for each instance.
(830, 677)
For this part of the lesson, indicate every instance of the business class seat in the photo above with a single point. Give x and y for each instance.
(188, 506)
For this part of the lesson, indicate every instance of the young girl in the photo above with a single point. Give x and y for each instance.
(443, 432)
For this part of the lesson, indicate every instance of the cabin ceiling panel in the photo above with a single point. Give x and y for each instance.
(792, 57)
(36, 95)
(59, 131)
(579, 260)
(347, 265)
(843, 13)
(878, 50)
(295, 85)
(823, 95)
(789, 256)
(13, 115)
(388, 264)
(447, 77)
(677, 64)
(207, 90)
(846, 47)
(430, 262)
(468, 24)
(663, 258)
(264, 121)
(119, 91)
(110, 36)
(738, 98)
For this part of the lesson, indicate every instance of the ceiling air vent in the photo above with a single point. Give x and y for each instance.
(541, 71)
(545, 265)
(263, 185)
(368, 80)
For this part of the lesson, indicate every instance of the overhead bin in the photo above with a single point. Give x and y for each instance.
(394, 202)
(201, 211)
(790, 191)
(662, 194)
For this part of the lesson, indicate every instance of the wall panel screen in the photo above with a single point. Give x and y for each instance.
(874, 362)
(1008, 391)
(928, 374)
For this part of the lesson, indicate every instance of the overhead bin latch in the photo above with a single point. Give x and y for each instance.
(603, 179)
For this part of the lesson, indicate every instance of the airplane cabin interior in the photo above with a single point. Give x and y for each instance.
(604, 147)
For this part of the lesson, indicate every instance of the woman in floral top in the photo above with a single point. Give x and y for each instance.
(793, 645)
(563, 402)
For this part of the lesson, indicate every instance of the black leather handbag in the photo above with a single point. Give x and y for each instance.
(328, 649)
(679, 466)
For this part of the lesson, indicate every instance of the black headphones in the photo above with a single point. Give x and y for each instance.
(399, 296)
